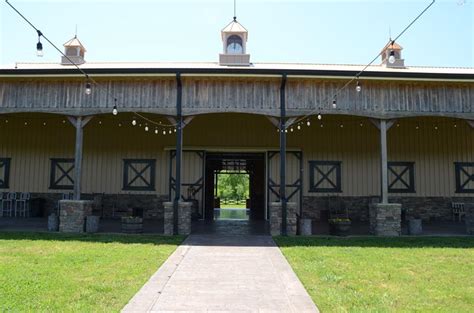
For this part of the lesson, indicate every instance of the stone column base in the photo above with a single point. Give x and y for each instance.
(72, 215)
(469, 209)
(275, 218)
(385, 219)
(184, 218)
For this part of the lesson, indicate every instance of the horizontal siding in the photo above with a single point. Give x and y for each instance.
(245, 95)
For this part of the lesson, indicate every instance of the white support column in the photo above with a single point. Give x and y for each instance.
(79, 123)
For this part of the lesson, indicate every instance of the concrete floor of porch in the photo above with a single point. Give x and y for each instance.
(229, 227)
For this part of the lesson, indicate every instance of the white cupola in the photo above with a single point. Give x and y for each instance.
(75, 51)
(234, 40)
(392, 55)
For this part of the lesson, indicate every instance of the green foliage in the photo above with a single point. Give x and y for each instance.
(233, 186)
(44, 272)
(370, 274)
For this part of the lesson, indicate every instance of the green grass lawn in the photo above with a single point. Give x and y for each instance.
(233, 206)
(425, 274)
(63, 273)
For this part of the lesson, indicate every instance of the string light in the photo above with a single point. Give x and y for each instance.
(170, 132)
(291, 129)
(39, 45)
(358, 87)
(156, 131)
(88, 89)
(334, 104)
(134, 122)
(320, 116)
(114, 110)
(146, 128)
(391, 58)
(299, 127)
(308, 123)
(164, 132)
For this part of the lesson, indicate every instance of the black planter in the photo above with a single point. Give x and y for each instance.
(340, 228)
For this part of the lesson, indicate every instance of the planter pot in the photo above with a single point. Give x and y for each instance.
(340, 228)
(92, 224)
(132, 225)
(305, 227)
(415, 226)
(53, 222)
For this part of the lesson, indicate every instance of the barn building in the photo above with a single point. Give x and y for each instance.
(401, 147)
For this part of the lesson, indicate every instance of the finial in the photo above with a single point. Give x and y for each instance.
(235, 10)
(75, 35)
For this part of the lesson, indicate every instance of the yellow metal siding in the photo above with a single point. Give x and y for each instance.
(106, 145)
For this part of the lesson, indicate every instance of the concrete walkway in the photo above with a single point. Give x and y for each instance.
(210, 273)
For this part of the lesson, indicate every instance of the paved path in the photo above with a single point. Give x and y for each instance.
(224, 274)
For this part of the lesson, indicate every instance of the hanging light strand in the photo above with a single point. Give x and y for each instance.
(356, 77)
(89, 80)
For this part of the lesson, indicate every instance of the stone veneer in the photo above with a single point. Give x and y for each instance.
(426, 208)
(73, 214)
(113, 205)
(184, 218)
(385, 219)
(275, 218)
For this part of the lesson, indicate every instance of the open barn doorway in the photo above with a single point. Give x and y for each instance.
(235, 186)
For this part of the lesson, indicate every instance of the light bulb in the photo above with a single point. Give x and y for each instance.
(39, 49)
(146, 128)
(308, 123)
(391, 58)
(164, 132)
(115, 111)
(319, 117)
(156, 131)
(334, 104)
(291, 129)
(88, 89)
(358, 87)
(175, 130)
(169, 132)
(286, 130)
(134, 122)
(299, 127)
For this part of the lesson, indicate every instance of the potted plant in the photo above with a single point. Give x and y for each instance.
(339, 226)
(132, 224)
(415, 225)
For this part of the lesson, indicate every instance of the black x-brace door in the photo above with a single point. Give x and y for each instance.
(294, 170)
(192, 181)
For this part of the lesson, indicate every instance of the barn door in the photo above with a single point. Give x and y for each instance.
(294, 179)
(192, 179)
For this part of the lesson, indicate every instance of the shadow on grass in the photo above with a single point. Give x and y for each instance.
(464, 242)
(103, 238)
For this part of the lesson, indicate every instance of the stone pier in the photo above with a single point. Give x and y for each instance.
(385, 219)
(72, 215)
(184, 218)
(275, 218)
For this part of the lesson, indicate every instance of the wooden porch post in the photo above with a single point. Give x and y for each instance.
(179, 151)
(383, 161)
(283, 199)
(79, 123)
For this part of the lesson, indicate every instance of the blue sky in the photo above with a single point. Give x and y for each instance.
(304, 31)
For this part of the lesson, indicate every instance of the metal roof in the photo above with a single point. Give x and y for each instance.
(116, 67)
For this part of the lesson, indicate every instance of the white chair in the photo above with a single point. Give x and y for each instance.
(8, 204)
(458, 210)
(1, 204)
(22, 206)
